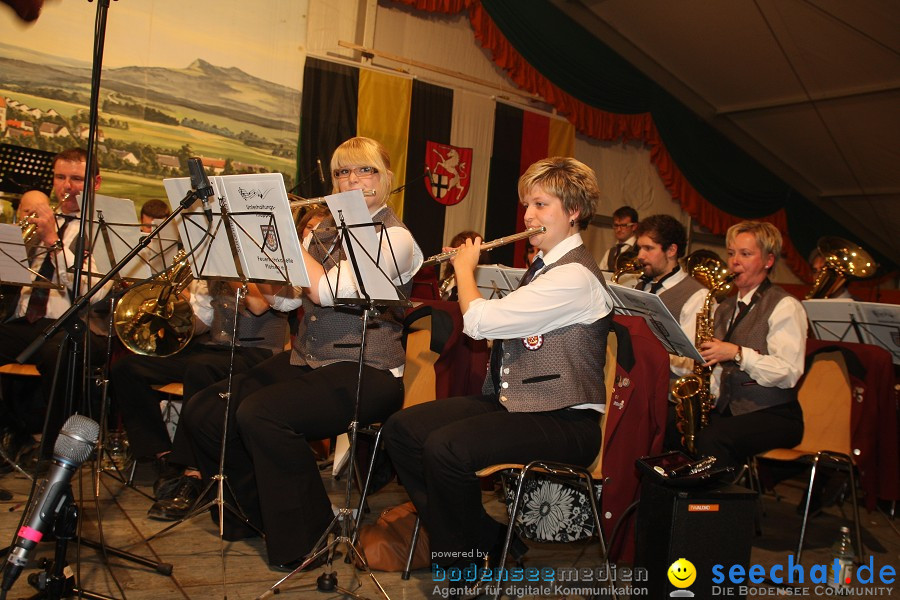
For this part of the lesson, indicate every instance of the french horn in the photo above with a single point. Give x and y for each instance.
(152, 318)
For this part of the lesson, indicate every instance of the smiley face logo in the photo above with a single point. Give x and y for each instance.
(682, 573)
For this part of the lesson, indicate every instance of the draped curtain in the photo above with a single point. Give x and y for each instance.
(544, 52)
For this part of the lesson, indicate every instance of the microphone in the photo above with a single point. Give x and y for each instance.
(319, 167)
(427, 173)
(200, 184)
(73, 446)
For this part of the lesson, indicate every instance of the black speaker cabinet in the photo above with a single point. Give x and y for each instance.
(709, 525)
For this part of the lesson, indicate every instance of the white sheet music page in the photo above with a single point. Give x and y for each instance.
(13, 262)
(210, 256)
(264, 227)
(352, 206)
(124, 234)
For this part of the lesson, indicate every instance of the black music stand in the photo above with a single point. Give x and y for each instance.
(23, 169)
(248, 257)
(367, 262)
(861, 322)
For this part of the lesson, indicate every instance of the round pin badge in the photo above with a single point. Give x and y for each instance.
(533, 342)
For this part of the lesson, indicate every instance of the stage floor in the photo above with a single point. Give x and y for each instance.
(195, 551)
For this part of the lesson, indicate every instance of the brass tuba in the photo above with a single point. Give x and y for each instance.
(627, 262)
(843, 260)
(691, 392)
(153, 318)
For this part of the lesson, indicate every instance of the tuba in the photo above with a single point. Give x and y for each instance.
(691, 392)
(152, 318)
(843, 260)
(626, 263)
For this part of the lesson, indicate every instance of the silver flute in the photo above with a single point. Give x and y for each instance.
(445, 256)
(302, 202)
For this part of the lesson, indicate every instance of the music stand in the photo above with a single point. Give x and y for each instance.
(23, 169)
(868, 322)
(246, 246)
(665, 327)
(496, 281)
(363, 248)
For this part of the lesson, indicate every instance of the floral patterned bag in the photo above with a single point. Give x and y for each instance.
(551, 510)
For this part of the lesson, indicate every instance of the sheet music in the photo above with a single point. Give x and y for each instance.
(265, 237)
(496, 281)
(124, 234)
(861, 322)
(13, 261)
(664, 326)
(352, 206)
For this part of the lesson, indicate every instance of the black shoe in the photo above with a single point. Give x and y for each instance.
(150, 470)
(290, 567)
(180, 505)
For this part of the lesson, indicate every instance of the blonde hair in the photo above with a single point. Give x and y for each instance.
(570, 180)
(768, 238)
(363, 152)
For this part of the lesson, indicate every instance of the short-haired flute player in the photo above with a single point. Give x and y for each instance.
(543, 394)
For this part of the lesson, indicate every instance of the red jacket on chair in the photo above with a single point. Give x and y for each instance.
(635, 425)
(873, 417)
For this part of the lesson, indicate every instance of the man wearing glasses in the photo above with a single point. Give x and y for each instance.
(625, 220)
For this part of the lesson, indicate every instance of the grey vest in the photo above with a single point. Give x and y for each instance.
(268, 330)
(328, 335)
(737, 389)
(675, 297)
(564, 369)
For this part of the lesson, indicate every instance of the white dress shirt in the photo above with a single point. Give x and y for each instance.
(58, 301)
(786, 339)
(565, 295)
(626, 245)
(397, 242)
(680, 365)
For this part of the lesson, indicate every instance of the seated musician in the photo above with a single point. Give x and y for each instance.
(543, 394)
(309, 392)
(40, 307)
(758, 351)
(661, 241)
(203, 362)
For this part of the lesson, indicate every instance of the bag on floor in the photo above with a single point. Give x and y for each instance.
(386, 541)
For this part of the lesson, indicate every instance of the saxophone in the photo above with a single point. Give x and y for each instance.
(691, 392)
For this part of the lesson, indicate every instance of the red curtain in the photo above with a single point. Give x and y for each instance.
(604, 125)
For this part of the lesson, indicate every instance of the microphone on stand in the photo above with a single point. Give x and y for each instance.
(74, 445)
(426, 173)
(200, 184)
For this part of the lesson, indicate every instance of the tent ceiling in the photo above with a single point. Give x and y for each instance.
(810, 88)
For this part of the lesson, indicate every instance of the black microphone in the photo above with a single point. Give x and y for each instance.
(200, 184)
(73, 446)
(319, 167)
(427, 174)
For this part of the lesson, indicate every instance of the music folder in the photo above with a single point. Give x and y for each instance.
(664, 326)
(266, 246)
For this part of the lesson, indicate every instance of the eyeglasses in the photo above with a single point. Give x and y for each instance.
(623, 225)
(361, 172)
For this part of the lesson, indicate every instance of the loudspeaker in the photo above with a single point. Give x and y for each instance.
(709, 525)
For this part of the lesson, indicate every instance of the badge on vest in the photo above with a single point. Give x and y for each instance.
(533, 342)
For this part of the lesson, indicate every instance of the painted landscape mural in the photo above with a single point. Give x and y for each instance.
(153, 116)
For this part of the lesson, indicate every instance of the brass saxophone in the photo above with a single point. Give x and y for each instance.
(691, 392)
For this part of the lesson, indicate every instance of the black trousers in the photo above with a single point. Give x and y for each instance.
(277, 409)
(198, 366)
(438, 446)
(16, 336)
(732, 439)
